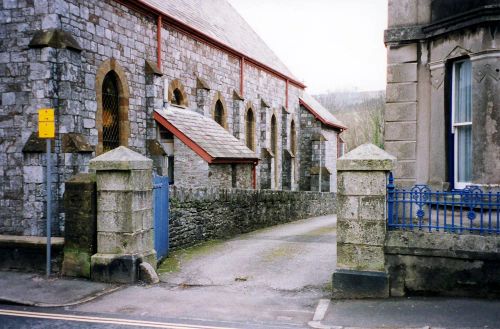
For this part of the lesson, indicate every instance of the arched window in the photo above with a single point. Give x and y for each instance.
(293, 138)
(176, 94)
(250, 129)
(274, 135)
(177, 97)
(219, 113)
(112, 95)
(274, 148)
(110, 112)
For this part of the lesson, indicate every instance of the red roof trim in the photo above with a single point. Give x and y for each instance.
(186, 140)
(320, 118)
(235, 160)
(191, 30)
(197, 148)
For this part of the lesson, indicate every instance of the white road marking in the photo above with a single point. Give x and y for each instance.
(321, 309)
(319, 315)
(126, 322)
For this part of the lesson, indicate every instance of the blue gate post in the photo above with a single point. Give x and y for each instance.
(161, 215)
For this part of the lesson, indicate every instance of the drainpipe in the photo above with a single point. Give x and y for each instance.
(158, 42)
(254, 176)
(242, 74)
(286, 93)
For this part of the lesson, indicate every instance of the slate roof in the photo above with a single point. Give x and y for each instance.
(205, 136)
(319, 112)
(219, 20)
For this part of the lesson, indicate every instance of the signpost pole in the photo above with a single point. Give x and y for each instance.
(47, 130)
(49, 205)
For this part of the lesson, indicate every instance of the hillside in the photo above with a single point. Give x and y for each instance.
(361, 111)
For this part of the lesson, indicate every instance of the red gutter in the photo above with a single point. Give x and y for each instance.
(320, 118)
(233, 160)
(191, 30)
(242, 73)
(186, 140)
(159, 26)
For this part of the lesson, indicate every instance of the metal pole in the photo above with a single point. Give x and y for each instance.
(49, 204)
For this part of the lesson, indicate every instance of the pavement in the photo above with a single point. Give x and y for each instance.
(412, 312)
(273, 278)
(36, 290)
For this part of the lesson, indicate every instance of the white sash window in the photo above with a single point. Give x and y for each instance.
(462, 122)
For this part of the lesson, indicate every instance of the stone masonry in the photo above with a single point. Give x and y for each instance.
(318, 145)
(124, 215)
(202, 214)
(56, 53)
(361, 223)
(424, 39)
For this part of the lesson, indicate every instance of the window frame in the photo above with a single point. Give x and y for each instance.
(457, 126)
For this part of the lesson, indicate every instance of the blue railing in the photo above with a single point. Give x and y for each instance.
(459, 211)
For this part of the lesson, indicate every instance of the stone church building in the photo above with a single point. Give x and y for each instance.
(187, 83)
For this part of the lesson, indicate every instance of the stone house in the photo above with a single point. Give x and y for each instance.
(442, 122)
(442, 116)
(144, 74)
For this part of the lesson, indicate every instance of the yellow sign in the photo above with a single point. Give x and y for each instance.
(46, 124)
(45, 115)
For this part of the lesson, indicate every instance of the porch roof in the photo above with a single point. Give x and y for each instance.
(204, 136)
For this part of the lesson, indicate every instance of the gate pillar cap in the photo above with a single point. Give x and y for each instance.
(366, 157)
(121, 158)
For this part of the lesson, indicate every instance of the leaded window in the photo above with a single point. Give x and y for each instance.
(110, 113)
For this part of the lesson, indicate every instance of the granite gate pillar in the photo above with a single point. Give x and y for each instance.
(124, 215)
(361, 223)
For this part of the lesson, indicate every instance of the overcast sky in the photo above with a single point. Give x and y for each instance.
(327, 44)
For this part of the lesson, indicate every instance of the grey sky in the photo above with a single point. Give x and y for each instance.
(328, 44)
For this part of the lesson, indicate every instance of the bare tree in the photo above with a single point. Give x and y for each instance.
(361, 112)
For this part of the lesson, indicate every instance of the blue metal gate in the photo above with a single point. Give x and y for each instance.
(160, 211)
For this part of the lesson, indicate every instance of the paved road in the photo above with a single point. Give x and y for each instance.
(274, 276)
(39, 318)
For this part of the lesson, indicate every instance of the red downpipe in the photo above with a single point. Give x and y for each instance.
(286, 95)
(242, 75)
(158, 42)
(210, 40)
(254, 176)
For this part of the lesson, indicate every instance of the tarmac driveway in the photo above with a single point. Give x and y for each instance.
(275, 275)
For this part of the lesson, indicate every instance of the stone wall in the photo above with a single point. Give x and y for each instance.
(198, 215)
(80, 234)
(443, 264)
(188, 165)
